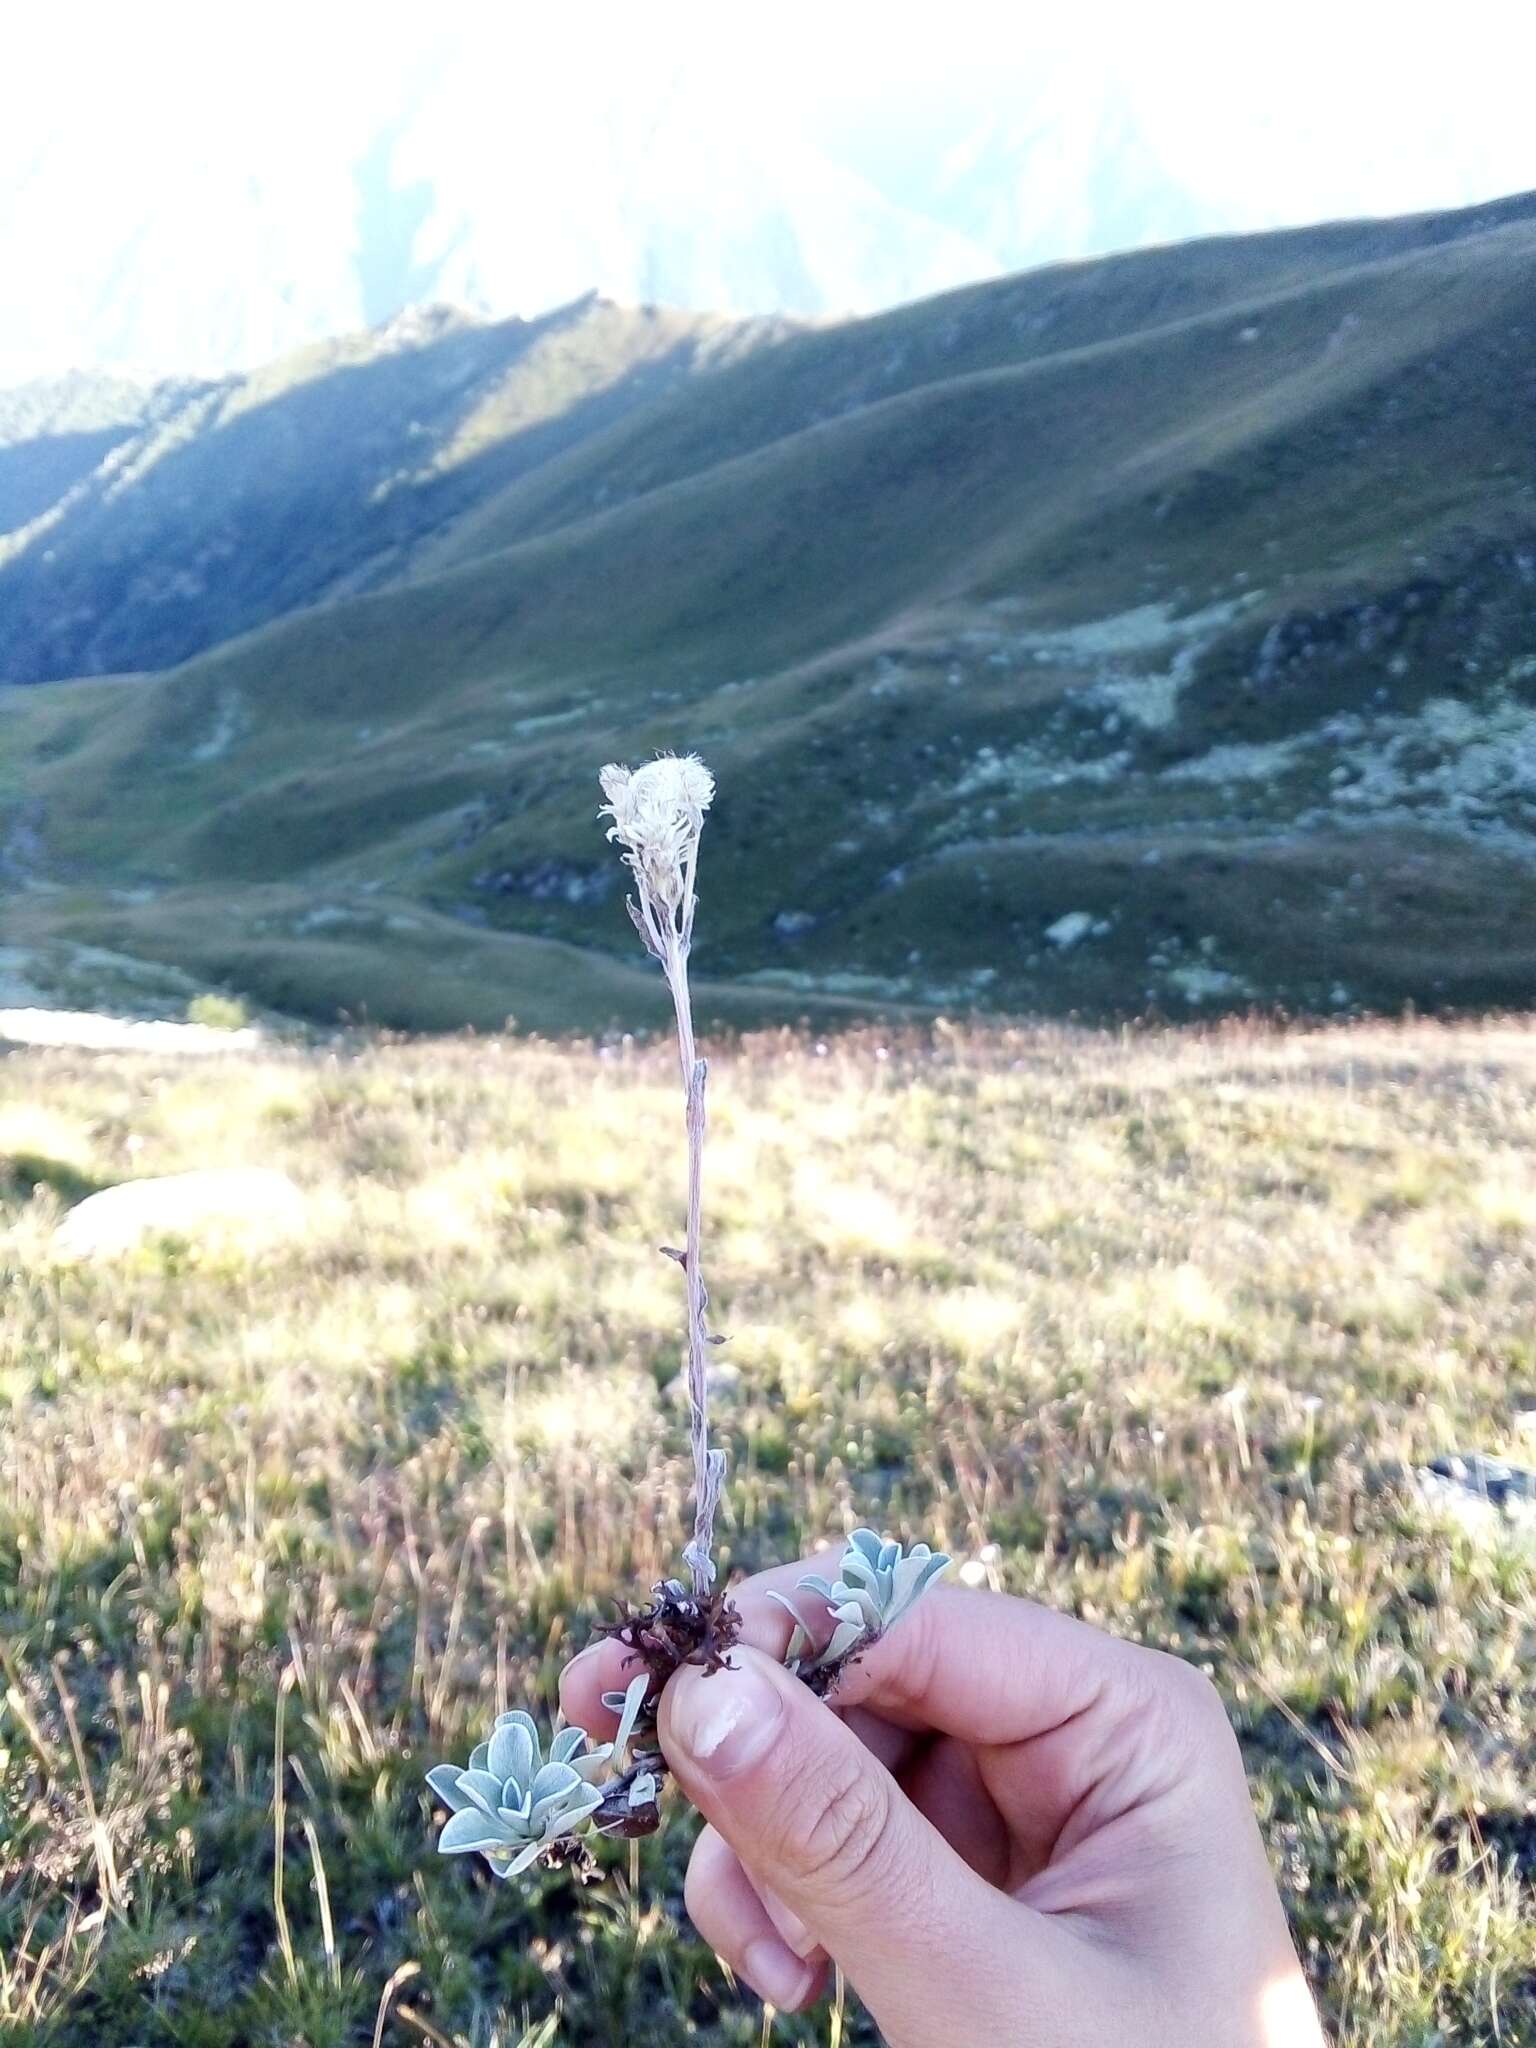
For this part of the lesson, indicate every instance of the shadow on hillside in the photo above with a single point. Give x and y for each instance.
(320, 473)
(36, 473)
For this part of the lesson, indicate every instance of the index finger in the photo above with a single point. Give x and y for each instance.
(985, 1667)
(994, 1670)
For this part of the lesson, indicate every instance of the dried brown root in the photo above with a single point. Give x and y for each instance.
(677, 1628)
(824, 1679)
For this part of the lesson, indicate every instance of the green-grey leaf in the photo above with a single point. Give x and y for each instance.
(909, 1578)
(811, 1583)
(470, 1830)
(634, 1698)
(567, 1744)
(554, 1778)
(844, 1636)
(519, 1717)
(444, 1780)
(482, 1789)
(569, 1808)
(514, 1750)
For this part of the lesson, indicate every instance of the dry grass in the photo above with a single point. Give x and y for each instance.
(1163, 1319)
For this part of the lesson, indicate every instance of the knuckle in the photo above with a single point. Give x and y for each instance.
(1198, 1696)
(843, 1836)
(1191, 1707)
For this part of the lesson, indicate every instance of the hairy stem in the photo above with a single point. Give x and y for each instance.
(708, 1465)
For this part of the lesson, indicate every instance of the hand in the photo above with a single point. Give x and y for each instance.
(1013, 1829)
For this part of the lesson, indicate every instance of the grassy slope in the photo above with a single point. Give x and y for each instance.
(1054, 311)
(1067, 633)
(1165, 1320)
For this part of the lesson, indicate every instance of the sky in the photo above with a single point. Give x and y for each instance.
(181, 180)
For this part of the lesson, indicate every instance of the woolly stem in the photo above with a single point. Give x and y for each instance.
(708, 1465)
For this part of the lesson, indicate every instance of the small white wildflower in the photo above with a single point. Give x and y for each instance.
(658, 814)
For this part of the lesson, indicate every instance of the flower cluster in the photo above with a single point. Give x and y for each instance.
(511, 1806)
(658, 814)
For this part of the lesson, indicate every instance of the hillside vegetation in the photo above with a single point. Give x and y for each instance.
(138, 527)
(1152, 1328)
(1157, 633)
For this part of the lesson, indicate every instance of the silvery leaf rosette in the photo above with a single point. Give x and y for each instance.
(877, 1583)
(510, 1804)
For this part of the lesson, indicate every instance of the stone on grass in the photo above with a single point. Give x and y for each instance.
(1487, 1497)
(1070, 929)
(217, 1200)
(92, 1032)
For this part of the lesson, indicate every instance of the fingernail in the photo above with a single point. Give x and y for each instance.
(790, 1925)
(776, 1974)
(723, 1721)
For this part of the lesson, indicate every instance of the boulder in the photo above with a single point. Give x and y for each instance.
(218, 1200)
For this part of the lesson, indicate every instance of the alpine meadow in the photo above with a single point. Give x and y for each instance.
(1112, 693)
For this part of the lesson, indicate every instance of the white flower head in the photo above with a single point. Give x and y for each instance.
(658, 814)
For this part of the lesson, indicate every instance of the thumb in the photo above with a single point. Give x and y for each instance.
(818, 1820)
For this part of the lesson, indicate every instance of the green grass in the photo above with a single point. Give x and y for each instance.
(1165, 1319)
